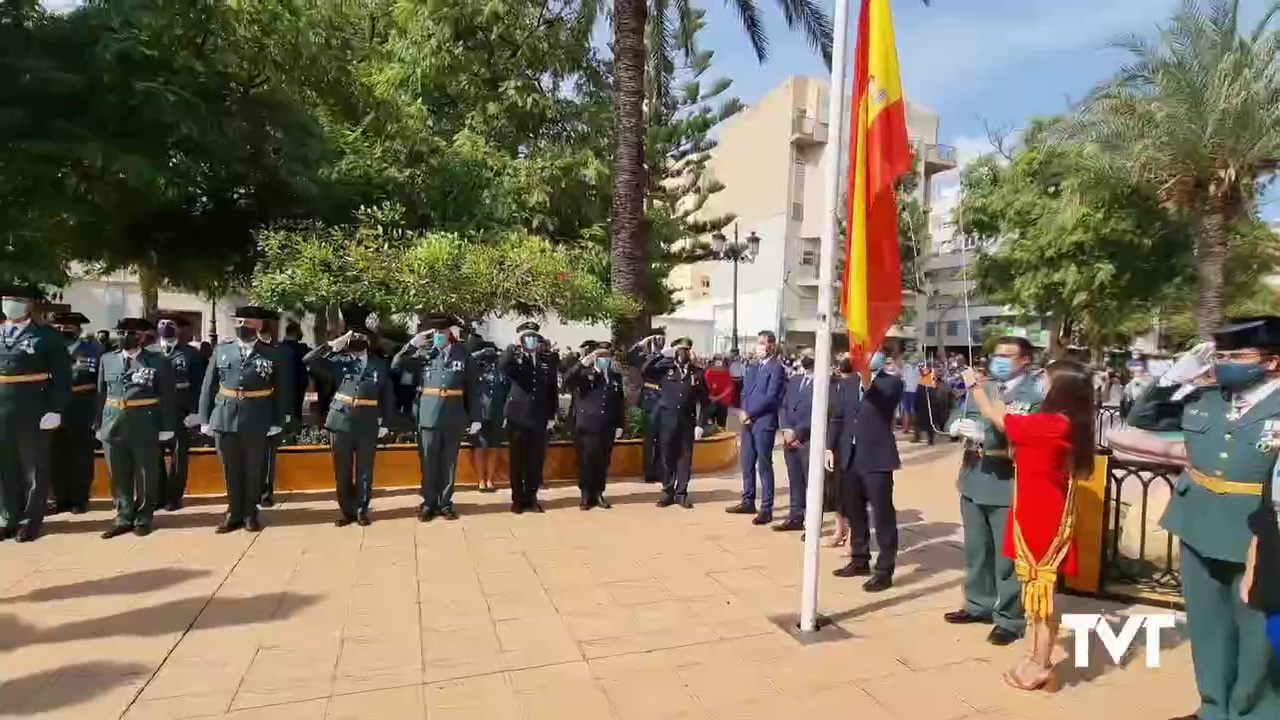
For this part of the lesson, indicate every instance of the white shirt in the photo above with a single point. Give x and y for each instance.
(736, 369)
(1241, 403)
(910, 377)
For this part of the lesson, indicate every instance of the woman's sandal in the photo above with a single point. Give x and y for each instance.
(486, 486)
(838, 540)
(1048, 683)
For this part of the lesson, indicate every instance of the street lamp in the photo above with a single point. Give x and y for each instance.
(735, 251)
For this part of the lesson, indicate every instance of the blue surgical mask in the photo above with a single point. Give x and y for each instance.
(529, 342)
(602, 363)
(15, 309)
(1236, 376)
(1001, 368)
(877, 362)
(439, 340)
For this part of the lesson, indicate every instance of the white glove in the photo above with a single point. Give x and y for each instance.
(206, 429)
(669, 352)
(1190, 365)
(421, 339)
(166, 436)
(954, 429)
(190, 421)
(475, 428)
(970, 429)
(550, 424)
(697, 433)
(50, 421)
(617, 433)
(273, 430)
(340, 343)
(383, 432)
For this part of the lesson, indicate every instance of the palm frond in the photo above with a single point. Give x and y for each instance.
(753, 24)
(809, 17)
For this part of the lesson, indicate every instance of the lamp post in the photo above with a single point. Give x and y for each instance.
(735, 251)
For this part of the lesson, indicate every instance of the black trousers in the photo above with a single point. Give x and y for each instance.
(926, 414)
(353, 457)
(71, 463)
(24, 477)
(527, 448)
(243, 456)
(174, 467)
(594, 452)
(653, 470)
(874, 489)
(135, 479)
(720, 414)
(677, 454)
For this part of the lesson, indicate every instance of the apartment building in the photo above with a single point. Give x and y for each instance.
(771, 158)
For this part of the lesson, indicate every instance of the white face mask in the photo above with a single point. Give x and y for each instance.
(14, 309)
(762, 351)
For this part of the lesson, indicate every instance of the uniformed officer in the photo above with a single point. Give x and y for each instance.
(599, 413)
(188, 373)
(494, 386)
(992, 592)
(73, 444)
(448, 406)
(531, 412)
(683, 409)
(359, 415)
(137, 412)
(284, 386)
(651, 454)
(1232, 434)
(35, 386)
(241, 406)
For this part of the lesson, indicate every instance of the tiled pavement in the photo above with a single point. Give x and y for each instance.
(635, 613)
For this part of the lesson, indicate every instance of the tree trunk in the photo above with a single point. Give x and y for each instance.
(626, 221)
(149, 286)
(1211, 260)
(1057, 344)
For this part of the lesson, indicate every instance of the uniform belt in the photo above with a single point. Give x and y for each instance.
(182, 386)
(239, 394)
(1219, 486)
(358, 402)
(38, 377)
(84, 388)
(441, 392)
(652, 386)
(982, 452)
(140, 402)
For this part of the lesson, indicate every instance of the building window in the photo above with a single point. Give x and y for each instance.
(930, 329)
(704, 282)
(953, 327)
(808, 257)
(797, 188)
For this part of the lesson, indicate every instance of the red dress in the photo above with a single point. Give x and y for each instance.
(1041, 451)
(720, 382)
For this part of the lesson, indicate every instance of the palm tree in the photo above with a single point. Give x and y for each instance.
(631, 59)
(1198, 117)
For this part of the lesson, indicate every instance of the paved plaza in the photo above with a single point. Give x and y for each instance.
(636, 613)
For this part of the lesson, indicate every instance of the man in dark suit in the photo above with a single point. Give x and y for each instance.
(762, 391)
(864, 453)
(795, 421)
(600, 414)
(531, 412)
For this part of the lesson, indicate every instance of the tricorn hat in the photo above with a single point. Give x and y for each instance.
(254, 312)
(176, 318)
(682, 342)
(355, 317)
(588, 346)
(604, 345)
(528, 326)
(133, 324)
(442, 321)
(69, 318)
(1260, 331)
(18, 290)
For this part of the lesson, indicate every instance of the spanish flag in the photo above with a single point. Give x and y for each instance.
(879, 155)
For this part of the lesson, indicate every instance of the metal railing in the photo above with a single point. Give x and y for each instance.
(1106, 419)
(1139, 558)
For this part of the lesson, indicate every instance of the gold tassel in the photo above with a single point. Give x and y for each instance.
(1039, 578)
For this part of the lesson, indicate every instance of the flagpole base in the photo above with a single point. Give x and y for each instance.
(824, 629)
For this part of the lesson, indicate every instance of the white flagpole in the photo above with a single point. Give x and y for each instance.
(822, 365)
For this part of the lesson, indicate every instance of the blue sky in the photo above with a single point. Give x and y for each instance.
(998, 61)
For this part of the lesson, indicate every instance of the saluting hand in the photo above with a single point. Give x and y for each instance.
(589, 359)
(421, 339)
(339, 343)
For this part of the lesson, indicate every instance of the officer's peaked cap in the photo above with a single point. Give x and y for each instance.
(254, 312)
(176, 318)
(529, 326)
(69, 318)
(17, 290)
(442, 321)
(603, 345)
(1259, 331)
(588, 346)
(355, 317)
(682, 342)
(133, 324)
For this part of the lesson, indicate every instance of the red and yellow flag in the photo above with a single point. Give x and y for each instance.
(879, 155)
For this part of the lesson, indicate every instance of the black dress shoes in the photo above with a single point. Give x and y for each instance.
(685, 502)
(116, 531)
(343, 521)
(602, 503)
(741, 509)
(142, 530)
(879, 582)
(584, 505)
(789, 525)
(534, 507)
(252, 524)
(762, 519)
(964, 617)
(268, 502)
(853, 569)
(665, 501)
(448, 514)
(227, 526)
(362, 519)
(516, 508)
(27, 534)
(8, 533)
(1001, 637)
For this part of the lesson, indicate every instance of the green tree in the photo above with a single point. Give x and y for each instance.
(1196, 117)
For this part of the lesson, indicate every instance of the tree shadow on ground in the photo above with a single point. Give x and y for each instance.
(174, 616)
(36, 693)
(129, 583)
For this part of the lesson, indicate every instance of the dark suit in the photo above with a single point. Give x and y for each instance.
(599, 409)
(683, 407)
(762, 390)
(648, 403)
(1266, 576)
(796, 416)
(531, 404)
(860, 435)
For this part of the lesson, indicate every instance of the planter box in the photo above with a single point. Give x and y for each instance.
(309, 467)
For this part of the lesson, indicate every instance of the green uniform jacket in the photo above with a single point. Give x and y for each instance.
(148, 378)
(223, 410)
(82, 407)
(988, 479)
(367, 379)
(32, 350)
(188, 374)
(1216, 526)
(449, 386)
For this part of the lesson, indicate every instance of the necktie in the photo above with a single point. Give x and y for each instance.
(1000, 390)
(1239, 405)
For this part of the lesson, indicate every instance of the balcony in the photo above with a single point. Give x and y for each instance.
(806, 130)
(938, 158)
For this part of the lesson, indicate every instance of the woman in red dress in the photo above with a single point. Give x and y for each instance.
(1052, 449)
